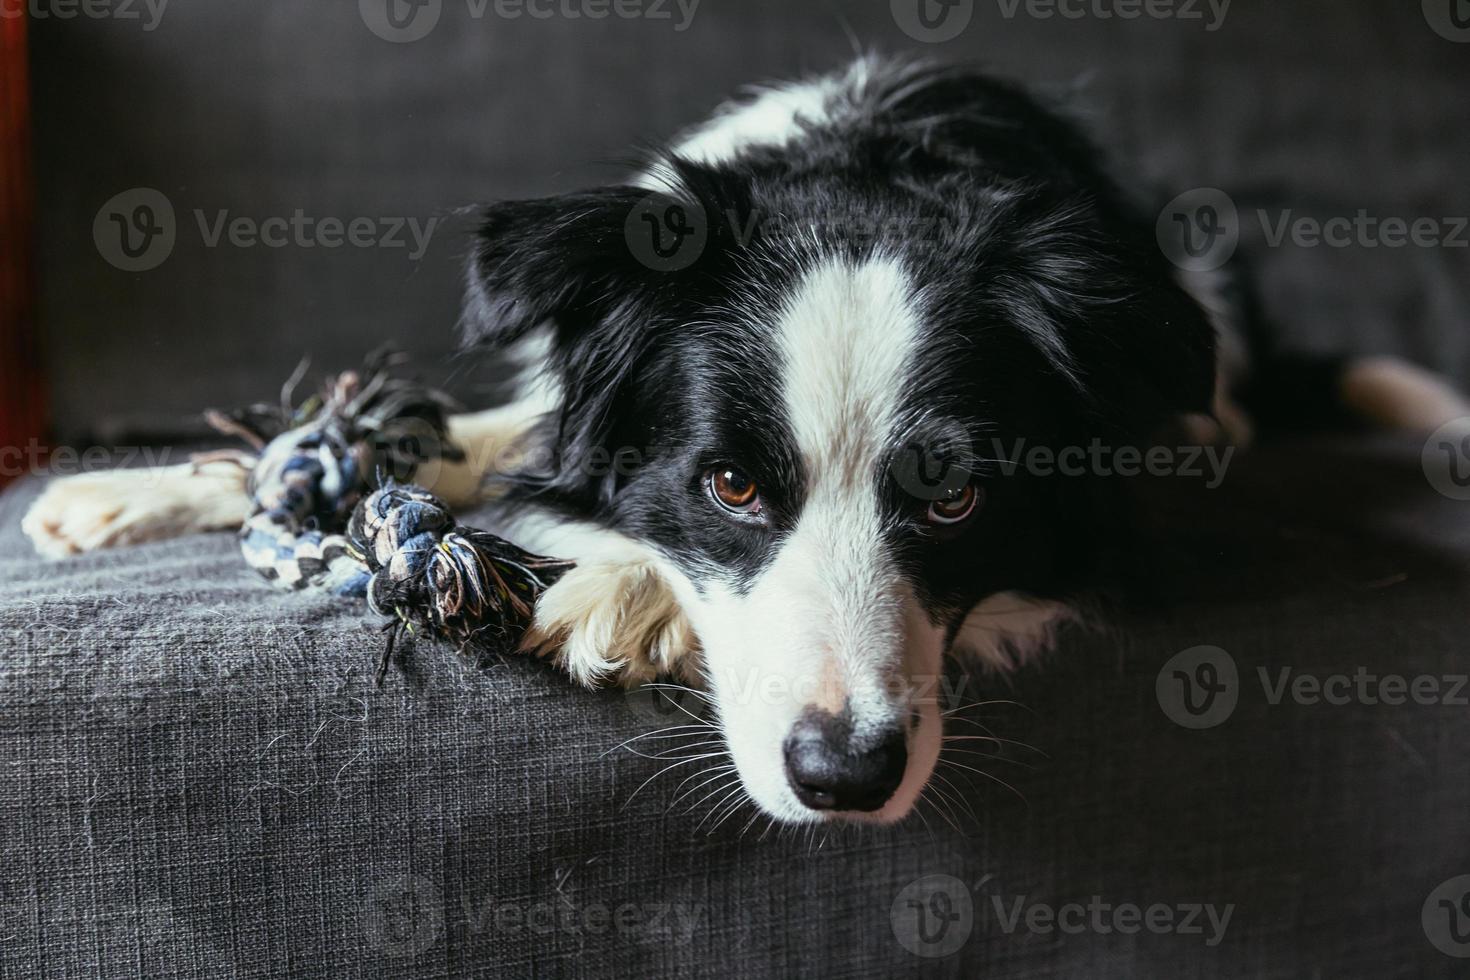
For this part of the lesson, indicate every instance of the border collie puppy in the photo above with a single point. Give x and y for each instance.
(765, 380)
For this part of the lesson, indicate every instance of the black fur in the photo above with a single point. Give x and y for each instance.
(1051, 315)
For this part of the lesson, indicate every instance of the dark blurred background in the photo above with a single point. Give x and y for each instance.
(263, 109)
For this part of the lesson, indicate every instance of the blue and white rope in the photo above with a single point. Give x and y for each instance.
(329, 514)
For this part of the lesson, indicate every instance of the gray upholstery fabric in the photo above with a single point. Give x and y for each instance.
(201, 779)
(1324, 107)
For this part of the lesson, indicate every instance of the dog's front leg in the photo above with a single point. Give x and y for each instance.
(614, 617)
(89, 511)
(76, 514)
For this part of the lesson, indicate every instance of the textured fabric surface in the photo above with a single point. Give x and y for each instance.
(253, 111)
(200, 779)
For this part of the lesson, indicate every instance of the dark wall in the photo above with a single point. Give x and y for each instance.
(265, 108)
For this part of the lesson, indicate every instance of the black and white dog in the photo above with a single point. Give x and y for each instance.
(763, 382)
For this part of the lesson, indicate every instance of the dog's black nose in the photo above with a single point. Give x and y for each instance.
(830, 769)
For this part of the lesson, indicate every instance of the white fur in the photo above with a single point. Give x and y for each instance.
(612, 618)
(1395, 394)
(831, 621)
(117, 507)
(1008, 630)
(774, 116)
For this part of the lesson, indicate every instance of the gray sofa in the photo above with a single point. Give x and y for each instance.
(202, 779)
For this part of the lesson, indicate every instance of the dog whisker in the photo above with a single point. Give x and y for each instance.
(994, 740)
(721, 788)
(989, 776)
(949, 816)
(983, 704)
(658, 734)
(669, 768)
(964, 802)
(995, 758)
(672, 752)
(713, 774)
(664, 686)
(678, 751)
(715, 808)
(740, 800)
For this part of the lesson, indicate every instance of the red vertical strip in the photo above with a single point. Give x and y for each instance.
(22, 402)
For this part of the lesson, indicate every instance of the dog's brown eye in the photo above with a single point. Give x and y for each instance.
(733, 490)
(955, 506)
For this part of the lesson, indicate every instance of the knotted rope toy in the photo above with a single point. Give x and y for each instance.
(333, 512)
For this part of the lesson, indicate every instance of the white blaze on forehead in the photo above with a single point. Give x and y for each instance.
(846, 338)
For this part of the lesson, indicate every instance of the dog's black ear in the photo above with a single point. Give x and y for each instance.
(1100, 299)
(1168, 347)
(602, 272)
(555, 261)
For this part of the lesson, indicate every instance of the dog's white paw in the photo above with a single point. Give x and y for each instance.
(101, 510)
(612, 621)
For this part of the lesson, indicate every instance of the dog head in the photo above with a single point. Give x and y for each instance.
(825, 398)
